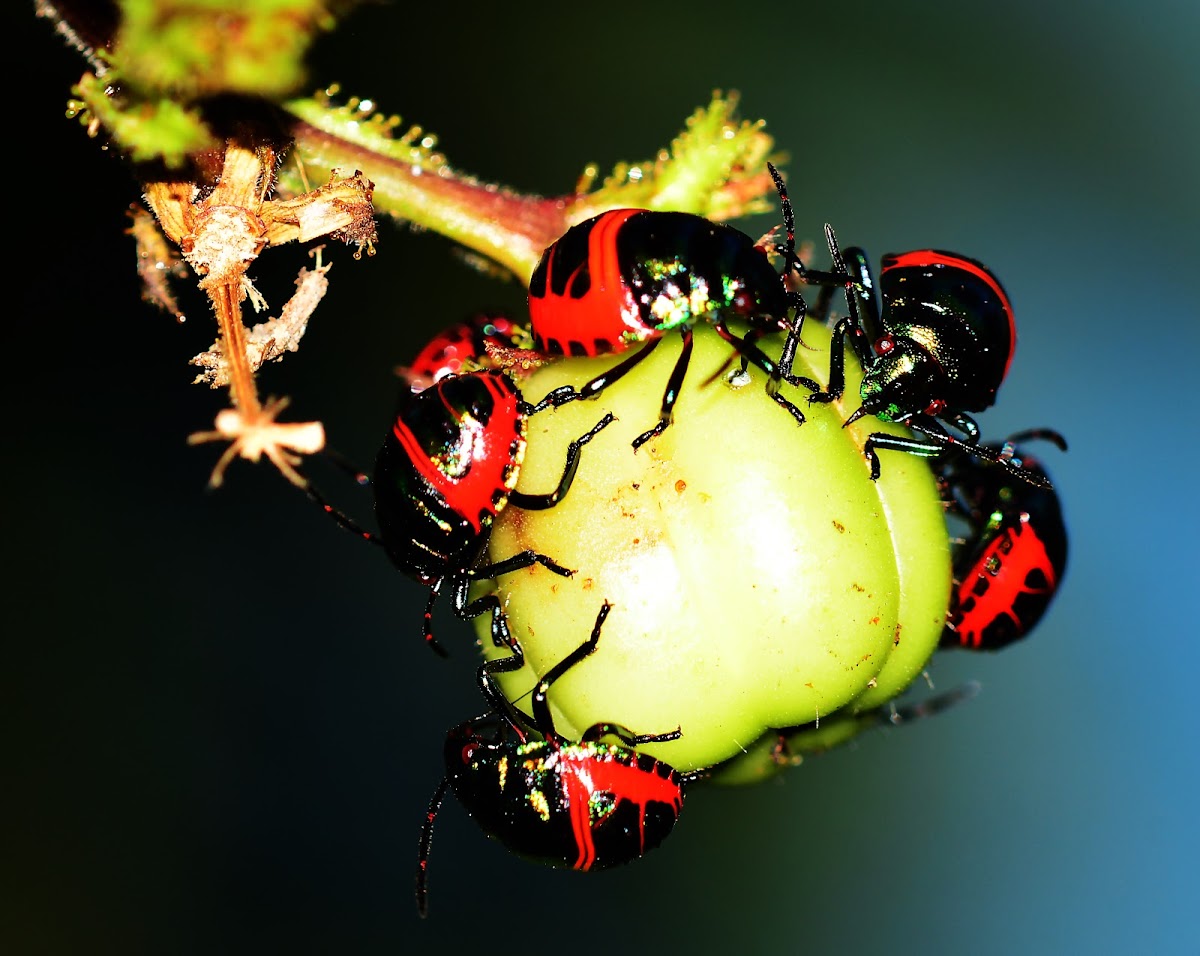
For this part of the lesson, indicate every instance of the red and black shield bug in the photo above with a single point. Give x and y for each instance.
(485, 340)
(448, 465)
(629, 276)
(939, 348)
(1011, 566)
(586, 804)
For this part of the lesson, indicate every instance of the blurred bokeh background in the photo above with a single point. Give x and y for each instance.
(222, 729)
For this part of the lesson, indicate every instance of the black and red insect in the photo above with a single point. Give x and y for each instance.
(448, 465)
(939, 348)
(586, 804)
(629, 276)
(1012, 563)
(476, 343)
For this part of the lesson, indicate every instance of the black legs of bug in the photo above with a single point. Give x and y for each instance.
(550, 499)
(671, 394)
(340, 517)
(602, 381)
(834, 279)
(939, 441)
(501, 636)
(553, 399)
(595, 386)
(748, 348)
(827, 281)
(599, 731)
(1032, 434)
(543, 720)
(424, 845)
(858, 326)
(539, 703)
(467, 609)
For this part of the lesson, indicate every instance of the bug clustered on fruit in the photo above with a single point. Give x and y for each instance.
(934, 341)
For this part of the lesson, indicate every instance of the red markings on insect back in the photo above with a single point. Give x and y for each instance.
(590, 769)
(1015, 564)
(474, 464)
(590, 310)
(462, 348)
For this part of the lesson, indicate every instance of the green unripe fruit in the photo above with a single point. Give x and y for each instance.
(759, 579)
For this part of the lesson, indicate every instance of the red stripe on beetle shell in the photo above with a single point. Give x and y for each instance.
(490, 459)
(593, 771)
(607, 312)
(1019, 552)
(931, 257)
(465, 343)
(443, 356)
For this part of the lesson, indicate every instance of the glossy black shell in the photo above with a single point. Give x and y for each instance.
(956, 310)
(587, 280)
(447, 465)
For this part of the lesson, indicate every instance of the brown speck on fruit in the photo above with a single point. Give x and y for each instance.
(517, 517)
(637, 486)
(636, 541)
(859, 588)
(589, 583)
(841, 528)
(680, 486)
(875, 619)
(896, 635)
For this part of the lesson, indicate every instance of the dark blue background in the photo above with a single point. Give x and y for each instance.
(223, 730)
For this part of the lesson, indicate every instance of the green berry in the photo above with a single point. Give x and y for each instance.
(759, 579)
